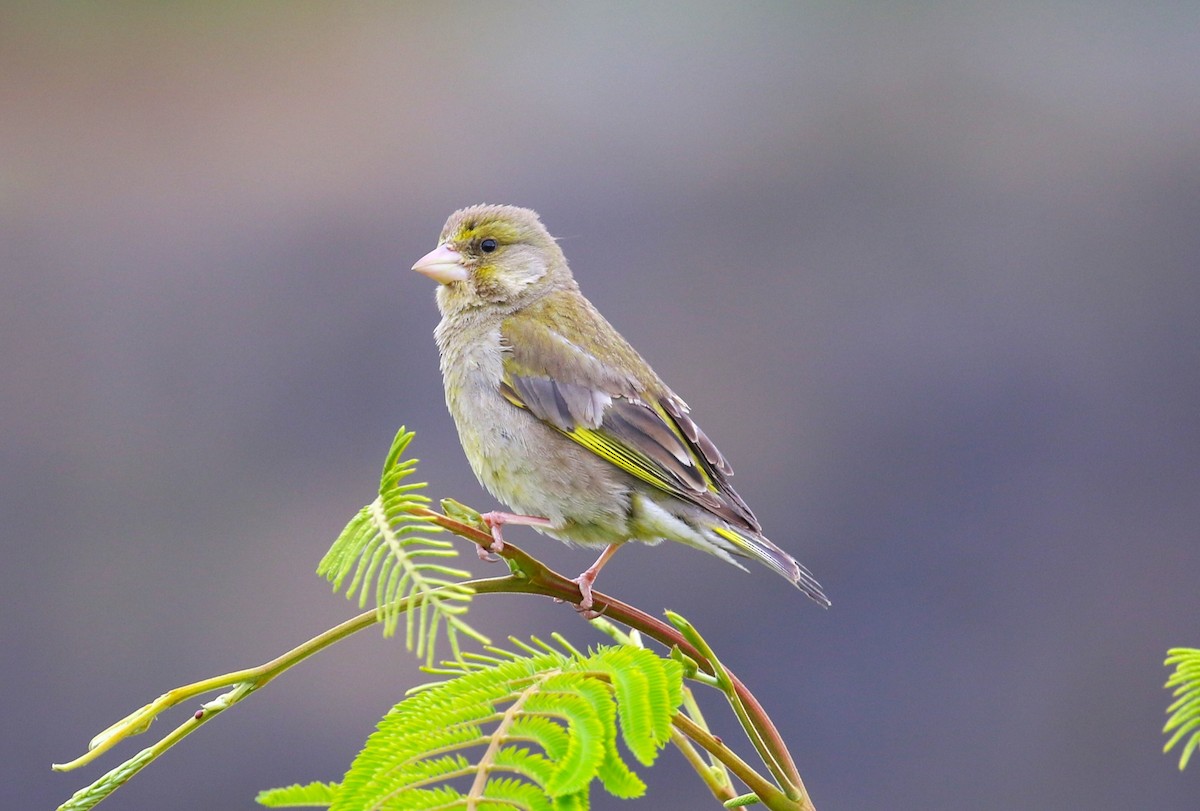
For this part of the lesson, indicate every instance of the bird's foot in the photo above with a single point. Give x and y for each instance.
(584, 606)
(494, 521)
(585, 580)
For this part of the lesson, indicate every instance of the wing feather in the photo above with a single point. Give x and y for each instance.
(639, 425)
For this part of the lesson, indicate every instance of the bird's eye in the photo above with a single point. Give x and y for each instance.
(488, 245)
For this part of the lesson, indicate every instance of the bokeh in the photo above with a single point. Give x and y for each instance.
(928, 273)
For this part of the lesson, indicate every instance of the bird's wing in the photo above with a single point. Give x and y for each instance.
(628, 418)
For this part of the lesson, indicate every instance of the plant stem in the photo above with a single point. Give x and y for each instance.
(528, 576)
(768, 793)
(720, 789)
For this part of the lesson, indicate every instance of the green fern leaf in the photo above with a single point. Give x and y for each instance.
(506, 791)
(1185, 710)
(319, 795)
(584, 707)
(518, 731)
(640, 688)
(387, 553)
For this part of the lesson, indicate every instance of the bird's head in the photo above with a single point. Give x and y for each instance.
(492, 255)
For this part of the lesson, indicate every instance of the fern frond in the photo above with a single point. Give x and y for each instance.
(386, 551)
(639, 690)
(314, 795)
(529, 731)
(1185, 710)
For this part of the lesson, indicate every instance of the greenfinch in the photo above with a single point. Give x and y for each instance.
(561, 419)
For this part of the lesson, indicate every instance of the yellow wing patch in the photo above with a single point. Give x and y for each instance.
(628, 459)
(643, 439)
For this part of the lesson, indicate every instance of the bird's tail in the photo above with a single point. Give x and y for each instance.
(756, 546)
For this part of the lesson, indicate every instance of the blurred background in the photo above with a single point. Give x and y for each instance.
(928, 273)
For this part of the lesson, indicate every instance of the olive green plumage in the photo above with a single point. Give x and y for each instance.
(560, 417)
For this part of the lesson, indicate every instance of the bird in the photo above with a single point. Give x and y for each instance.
(562, 420)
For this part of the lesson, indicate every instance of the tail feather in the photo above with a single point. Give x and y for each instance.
(759, 548)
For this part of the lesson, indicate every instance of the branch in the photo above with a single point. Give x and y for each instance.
(527, 576)
(770, 796)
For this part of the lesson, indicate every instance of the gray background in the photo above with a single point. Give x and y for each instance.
(928, 274)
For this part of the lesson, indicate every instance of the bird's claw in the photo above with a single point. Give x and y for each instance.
(488, 553)
(585, 611)
(589, 613)
(584, 606)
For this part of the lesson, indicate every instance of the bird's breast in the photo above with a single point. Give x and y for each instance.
(525, 463)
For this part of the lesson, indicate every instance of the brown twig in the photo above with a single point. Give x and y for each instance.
(531, 576)
(527, 576)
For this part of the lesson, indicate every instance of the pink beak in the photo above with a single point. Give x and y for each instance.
(443, 264)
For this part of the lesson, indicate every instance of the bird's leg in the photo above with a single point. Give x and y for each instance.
(588, 576)
(495, 520)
